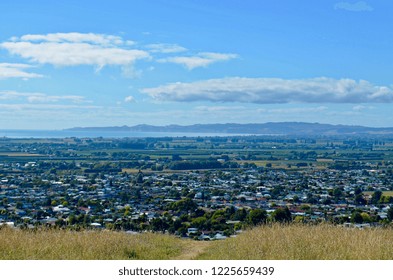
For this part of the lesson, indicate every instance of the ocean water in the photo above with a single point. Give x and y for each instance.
(95, 134)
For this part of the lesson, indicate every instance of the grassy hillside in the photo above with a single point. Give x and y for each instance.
(299, 242)
(294, 242)
(86, 245)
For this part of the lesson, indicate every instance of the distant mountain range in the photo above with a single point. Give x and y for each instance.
(270, 128)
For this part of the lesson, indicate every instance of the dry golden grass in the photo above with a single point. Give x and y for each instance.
(86, 245)
(273, 242)
(300, 242)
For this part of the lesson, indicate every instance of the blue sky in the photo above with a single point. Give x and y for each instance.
(108, 63)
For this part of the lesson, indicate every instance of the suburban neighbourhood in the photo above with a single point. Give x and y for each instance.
(242, 182)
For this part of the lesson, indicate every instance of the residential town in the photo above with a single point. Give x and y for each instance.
(204, 203)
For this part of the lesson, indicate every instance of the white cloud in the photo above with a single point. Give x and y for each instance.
(74, 37)
(43, 107)
(72, 49)
(14, 95)
(200, 60)
(359, 6)
(166, 48)
(360, 108)
(129, 71)
(33, 97)
(129, 99)
(99, 50)
(8, 95)
(16, 70)
(273, 90)
(47, 98)
(72, 54)
(220, 108)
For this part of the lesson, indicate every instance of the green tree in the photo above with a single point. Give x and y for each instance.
(185, 205)
(390, 214)
(366, 217)
(158, 224)
(356, 217)
(282, 215)
(218, 217)
(199, 223)
(256, 217)
(72, 219)
(139, 178)
(376, 197)
(240, 214)
(337, 193)
(359, 199)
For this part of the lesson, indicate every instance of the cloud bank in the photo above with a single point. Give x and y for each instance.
(273, 91)
(72, 49)
(99, 50)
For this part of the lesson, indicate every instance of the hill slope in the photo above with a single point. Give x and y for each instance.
(276, 242)
(278, 128)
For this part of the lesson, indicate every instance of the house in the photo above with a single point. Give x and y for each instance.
(191, 231)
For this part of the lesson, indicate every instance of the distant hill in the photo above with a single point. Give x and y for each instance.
(270, 128)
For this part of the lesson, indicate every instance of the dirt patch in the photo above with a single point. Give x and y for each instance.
(193, 250)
